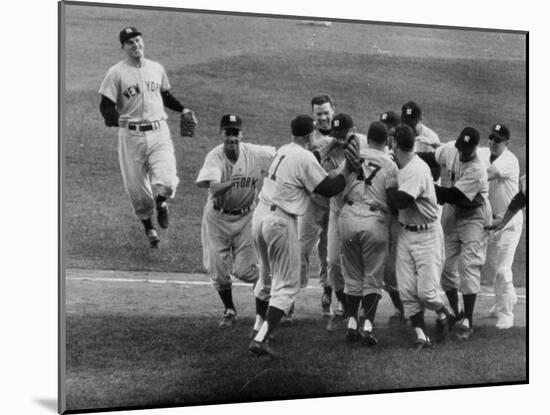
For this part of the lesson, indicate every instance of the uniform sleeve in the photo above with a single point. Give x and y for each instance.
(110, 85)
(313, 172)
(430, 136)
(391, 178)
(412, 183)
(470, 184)
(507, 168)
(211, 170)
(444, 153)
(164, 83)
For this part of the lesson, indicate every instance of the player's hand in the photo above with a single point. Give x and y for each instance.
(495, 226)
(123, 120)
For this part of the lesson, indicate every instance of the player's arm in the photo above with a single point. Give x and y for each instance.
(217, 188)
(398, 199)
(518, 202)
(430, 160)
(109, 112)
(331, 186)
(433, 142)
(170, 101)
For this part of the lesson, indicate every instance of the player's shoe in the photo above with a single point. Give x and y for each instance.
(287, 319)
(153, 238)
(421, 343)
(453, 320)
(336, 322)
(263, 349)
(162, 214)
(325, 306)
(441, 329)
(463, 330)
(369, 339)
(493, 311)
(229, 317)
(353, 335)
(505, 322)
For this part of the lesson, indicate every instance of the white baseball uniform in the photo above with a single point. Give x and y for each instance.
(146, 153)
(227, 219)
(313, 226)
(465, 237)
(286, 193)
(364, 222)
(420, 252)
(502, 245)
(428, 137)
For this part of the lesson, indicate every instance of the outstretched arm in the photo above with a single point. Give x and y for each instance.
(108, 111)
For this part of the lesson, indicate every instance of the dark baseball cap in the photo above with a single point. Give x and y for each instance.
(377, 132)
(301, 125)
(467, 140)
(499, 132)
(231, 121)
(342, 122)
(128, 33)
(389, 118)
(410, 113)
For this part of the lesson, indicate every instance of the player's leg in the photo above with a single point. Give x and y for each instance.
(322, 246)
(491, 266)
(334, 269)
(450, 279)
(132, 160)
(390, 279)
(308, 232)
(245, 260)
(163, 171)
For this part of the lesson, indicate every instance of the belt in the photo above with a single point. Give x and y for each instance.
(149, 126)
(351, 202)
(416, 228)
(233, 212)
(275, 207)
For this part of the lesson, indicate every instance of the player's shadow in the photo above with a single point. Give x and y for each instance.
(47, 403)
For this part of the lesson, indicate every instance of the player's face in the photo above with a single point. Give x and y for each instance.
(231, 138)
(322, 114)
(134, 47)
(496, 146)
(467, 155)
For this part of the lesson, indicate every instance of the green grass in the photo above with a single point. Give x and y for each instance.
(132, 344)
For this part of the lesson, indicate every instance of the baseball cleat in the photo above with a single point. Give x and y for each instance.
(325, 305)
(263, 349)
(453, 320)
(353, 335)
(463, 330)
(336, 322)
(421, 343)
(229, 317)
(162, 214)
(441, 329)
(153, 238)
(505, 322)
(369, 339)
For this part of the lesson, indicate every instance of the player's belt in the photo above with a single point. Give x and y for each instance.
(149, 126)
(351, 202)
(416, 228)
(273, 208)
(234, 212)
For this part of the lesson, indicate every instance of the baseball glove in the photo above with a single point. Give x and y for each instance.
(188, 124)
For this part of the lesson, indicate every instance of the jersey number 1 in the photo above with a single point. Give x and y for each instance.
(274, 174)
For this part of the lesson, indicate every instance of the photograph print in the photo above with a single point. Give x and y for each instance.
(271, 207)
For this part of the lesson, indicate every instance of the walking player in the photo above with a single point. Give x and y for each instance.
(232, 172)
(293, 176)
(420, 253)
(133, 96)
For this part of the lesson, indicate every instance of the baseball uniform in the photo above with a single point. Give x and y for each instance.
(227, 219)
(465, 238)
(503, 186)
(425, 139)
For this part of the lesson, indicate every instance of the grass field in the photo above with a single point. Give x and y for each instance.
(145, 343)
(148, 344)
(266, 70)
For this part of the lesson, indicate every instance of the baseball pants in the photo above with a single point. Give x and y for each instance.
(390, 279)
(500, 256)
(465, 249)
(275, 237)
(148, 167)
(420, 257)
(364, 249)
(312, 229)
(228, 249)
(334, 244)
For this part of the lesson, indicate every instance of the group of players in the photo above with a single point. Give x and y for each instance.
(372, 204)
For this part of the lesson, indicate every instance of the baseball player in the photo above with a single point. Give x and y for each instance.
(391, 120)
(465, 214)
(293, 176)
(133, 96)
(426, 139)
(420, 253)
(232, 172)
(342, 129)
(518, 202)
(503, 173)
(313, 225)
(363, 225)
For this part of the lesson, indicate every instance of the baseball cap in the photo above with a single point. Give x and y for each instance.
(389, 118)
(301, 125)
(410, 113)
(467, 140)
(377, 132)
(499, 132)
(128, 33)
(342, 122)
(231, 121)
